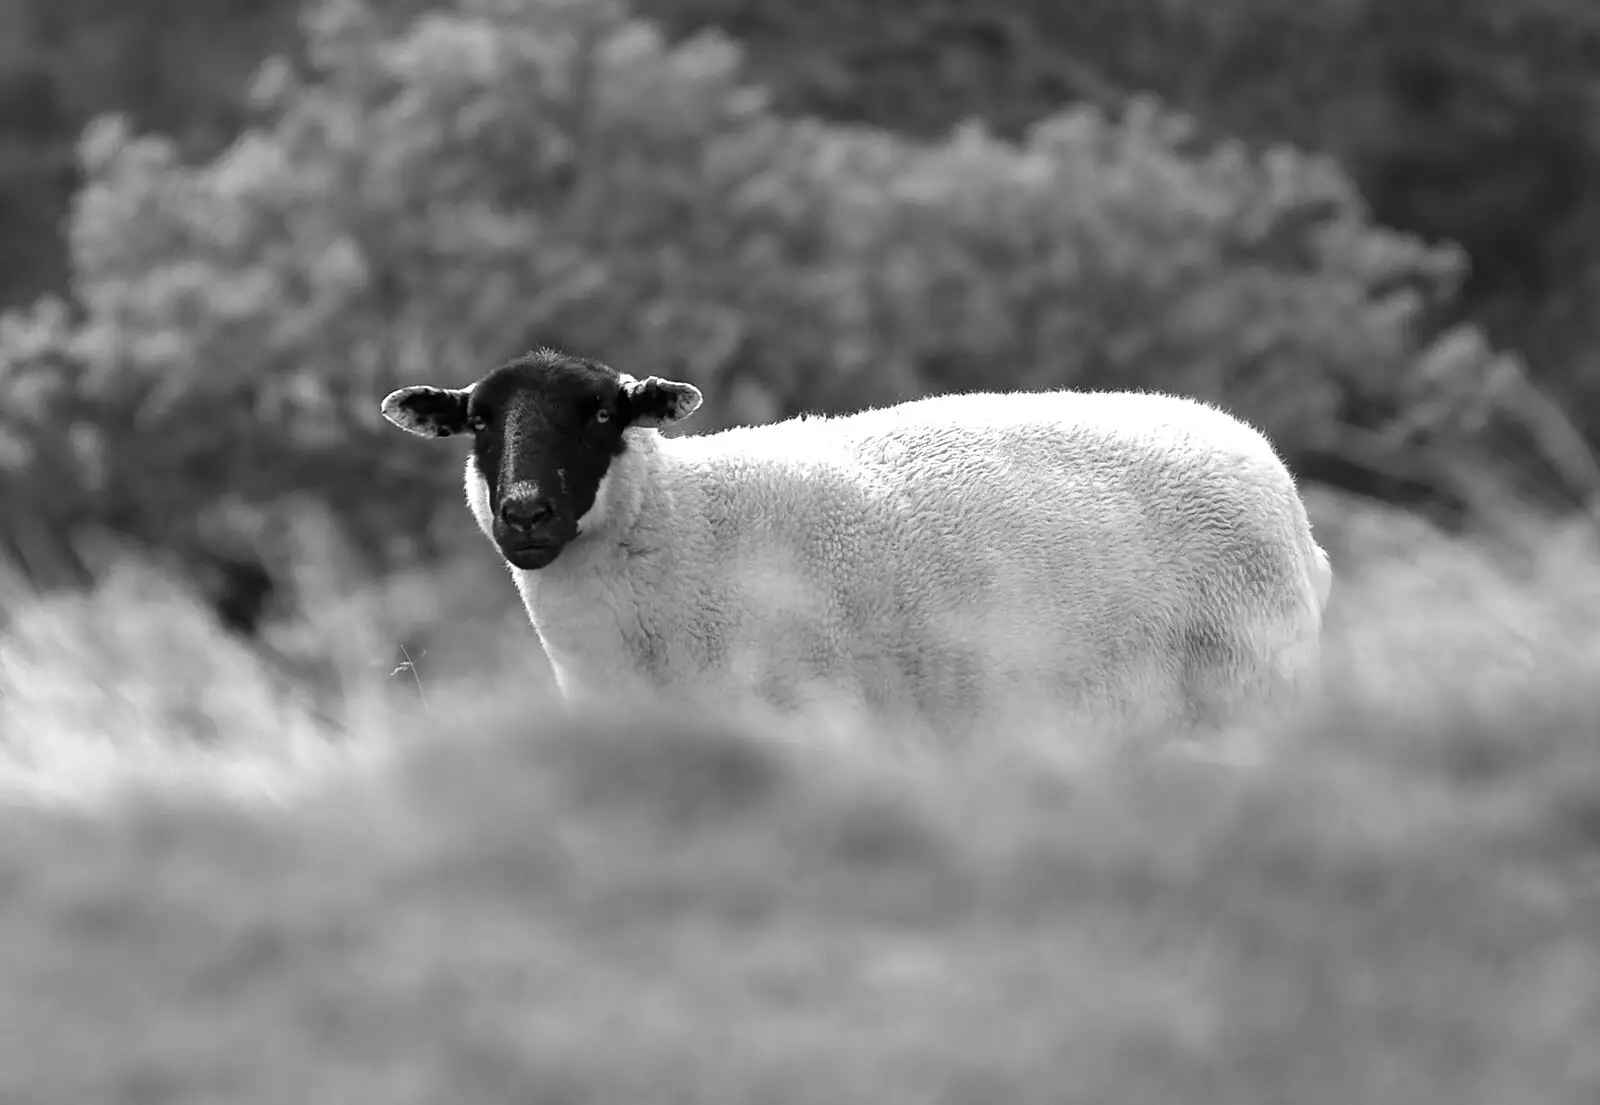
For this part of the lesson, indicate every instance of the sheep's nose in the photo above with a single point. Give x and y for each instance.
(524, 514)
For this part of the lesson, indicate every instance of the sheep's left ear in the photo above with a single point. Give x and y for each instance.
(428, 411)
(655, 402)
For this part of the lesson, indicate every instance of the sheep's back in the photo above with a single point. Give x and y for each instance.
(961, 548)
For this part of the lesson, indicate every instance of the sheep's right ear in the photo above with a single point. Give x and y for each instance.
(428, 411)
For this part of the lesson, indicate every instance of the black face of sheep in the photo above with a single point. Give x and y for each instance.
(545, 428)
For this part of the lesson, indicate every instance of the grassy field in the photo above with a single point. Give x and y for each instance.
(432, 886)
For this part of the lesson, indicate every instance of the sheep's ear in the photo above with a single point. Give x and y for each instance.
(656, 402)
(428, 411)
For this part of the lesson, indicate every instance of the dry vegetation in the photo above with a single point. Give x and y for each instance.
(225, 881)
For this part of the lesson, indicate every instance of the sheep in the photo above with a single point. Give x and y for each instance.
(1117, 561)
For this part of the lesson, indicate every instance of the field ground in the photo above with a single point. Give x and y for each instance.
(463, 895)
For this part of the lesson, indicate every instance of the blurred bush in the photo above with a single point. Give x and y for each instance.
(1467, 121)
(175, 66)
(438, 186)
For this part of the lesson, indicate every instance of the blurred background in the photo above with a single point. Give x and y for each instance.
(229, 227)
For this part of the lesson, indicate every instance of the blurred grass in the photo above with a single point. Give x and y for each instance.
(456, 892)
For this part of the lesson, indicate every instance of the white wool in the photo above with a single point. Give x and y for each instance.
(1114, 562)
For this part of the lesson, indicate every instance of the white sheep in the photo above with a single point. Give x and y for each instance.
(1120, 561)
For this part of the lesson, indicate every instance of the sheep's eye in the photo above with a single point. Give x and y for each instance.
(602, 415)
(478, 423)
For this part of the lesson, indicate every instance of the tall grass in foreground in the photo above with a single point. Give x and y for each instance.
(1402, 905)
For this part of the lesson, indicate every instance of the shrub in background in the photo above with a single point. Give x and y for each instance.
(441, 186)
(175, 66)
(1467, 121)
